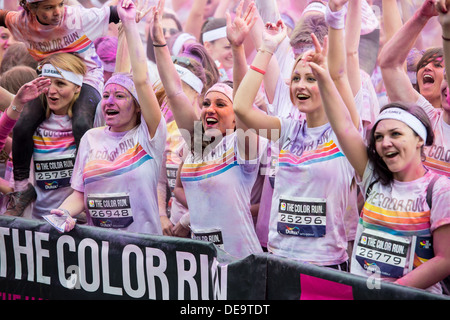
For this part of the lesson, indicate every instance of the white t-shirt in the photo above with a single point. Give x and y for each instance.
(311, 195)
(395, 219)
(438, 154)
(75, 34)
(53, 162)
(118, 174)
(218, 190)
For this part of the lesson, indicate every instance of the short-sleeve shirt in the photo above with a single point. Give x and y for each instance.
(311, 195)
(218, 186)
(118, 174)
(75, 34)
(395, 228)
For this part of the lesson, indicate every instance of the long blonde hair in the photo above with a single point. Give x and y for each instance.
(68, 62)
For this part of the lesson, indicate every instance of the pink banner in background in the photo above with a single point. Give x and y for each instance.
(313, 288)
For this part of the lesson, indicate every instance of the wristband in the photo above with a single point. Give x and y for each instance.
(14, 108)
(445, 39)
(257, 70)
(335, 20)
(159, 45)
(264, 50)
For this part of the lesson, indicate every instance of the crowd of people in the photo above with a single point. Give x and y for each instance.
(312, 130)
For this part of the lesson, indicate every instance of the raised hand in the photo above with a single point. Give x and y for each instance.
(317, 58)
(428, 9)
(273, 35)
(126, 10)
(31, 90)
(157, 32)
(336, 5)
(238, 30)
(142, 8)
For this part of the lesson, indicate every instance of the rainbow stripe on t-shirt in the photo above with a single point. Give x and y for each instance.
(133, 158)
(208, 169)
(404, 223)
(46, 145)
(79, 46)
(438, 166)
(323, 152)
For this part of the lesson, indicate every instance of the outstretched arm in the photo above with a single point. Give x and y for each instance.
(248, 89)
(394, 53)
(352, 37)
(350, 140)
(337, 62)
(182, 109)
(149, 104)
(443, 9)
(237, 32)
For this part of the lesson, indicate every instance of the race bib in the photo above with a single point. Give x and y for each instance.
(383, 253)
(171, 172)
(53, 173)
(110, 210)
(209, 235)
(302, 217)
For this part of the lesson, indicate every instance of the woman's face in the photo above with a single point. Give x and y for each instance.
(6, 39)
(304, 89)
(399, 147)
(49, 12)
(444, 94)
(169, 27)
(429, 79)
(217, 114)
(60, 95)
(220, 50)
(119, 109)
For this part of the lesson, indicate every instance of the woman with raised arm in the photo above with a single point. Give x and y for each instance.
(48, 27)
(221, 164)
(307, 211)
(120, 162)
(403, 234)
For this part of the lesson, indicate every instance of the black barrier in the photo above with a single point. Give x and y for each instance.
(37, 262)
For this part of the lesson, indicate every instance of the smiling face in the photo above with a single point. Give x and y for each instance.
(304, 90)
(119, 108)
(429, 79)
(49, 12)
(217, 113)
(220, 50)
(400, 148)
(6, 39)
(444, 94)
(60, 95)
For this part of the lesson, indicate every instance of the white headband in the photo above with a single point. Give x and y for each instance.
(49, 70)
(315, 6)
(215, 34)
(189, 78)
(405, 117)
(178, 44)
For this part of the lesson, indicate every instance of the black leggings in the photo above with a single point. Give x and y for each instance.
(32, 116)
